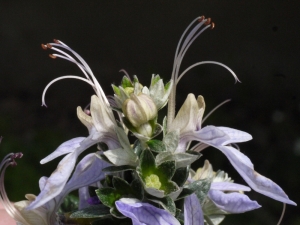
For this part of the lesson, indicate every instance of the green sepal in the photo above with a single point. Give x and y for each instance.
(164, 126)
(137, 147)
(155, 79)
(167, 203)
(201, 188)
(138, 189)
(181, 175)
(167, 86)
(116, 90)
(156, 146)
(114, 169)
(171, 140)
(135, 79)
(126, 82)
(108, 196)
(166, 169)
(94, 211)
(147, 163)
(102, 157)
(69, 204)
(185, 192)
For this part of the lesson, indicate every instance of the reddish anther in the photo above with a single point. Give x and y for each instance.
(208, 21)
(44, 46)
(212, 25)
(52, 56)
(201, 19)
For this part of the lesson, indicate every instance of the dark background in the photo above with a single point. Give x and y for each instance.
(259, 40)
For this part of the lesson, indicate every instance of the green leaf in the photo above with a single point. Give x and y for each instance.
(114, 169)
(156, 146)
(201, 188)
(94, 211)
(181, 175)
(167, 203)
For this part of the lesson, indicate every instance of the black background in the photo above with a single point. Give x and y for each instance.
(259, 40)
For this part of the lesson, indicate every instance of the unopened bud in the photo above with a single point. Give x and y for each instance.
(139, 109)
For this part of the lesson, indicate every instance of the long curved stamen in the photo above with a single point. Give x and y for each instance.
(182, 47)
(208, 62)
(61, 78)
(9, 160)
(80, 63)
(214, 109)
(282, 214)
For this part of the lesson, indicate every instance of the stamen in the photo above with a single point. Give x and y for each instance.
(214, 109)
(44, 46)
(212, 25)
(9, 160)
(52, 56)
(201, 18)
(56, 41)
(282, 214)
(207, 21)
(49, 45)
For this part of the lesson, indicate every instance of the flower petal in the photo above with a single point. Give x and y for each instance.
(256, 181)
(193, 214)
(187, 116)
(144, 213)
(235, 135)
(66, 147)
(56, 182)
(232, 202)
(228, 186)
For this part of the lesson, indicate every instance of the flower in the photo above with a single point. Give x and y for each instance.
(224, 196)
(101, 125)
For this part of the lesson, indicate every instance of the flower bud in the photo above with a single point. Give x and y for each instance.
(139, 109)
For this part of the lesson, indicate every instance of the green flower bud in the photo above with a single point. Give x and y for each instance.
(139, 109)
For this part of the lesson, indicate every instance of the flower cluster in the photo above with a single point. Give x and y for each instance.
(149, 180)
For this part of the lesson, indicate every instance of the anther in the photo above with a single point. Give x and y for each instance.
(207, 21)
(49, 46)
(44, 46)
(56, 41)
(52, 56)
(201, 19)
(212, 25)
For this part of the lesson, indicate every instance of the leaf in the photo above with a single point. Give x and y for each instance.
(94, 211)
(181, 175)
(156, 146)
(201, 188)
